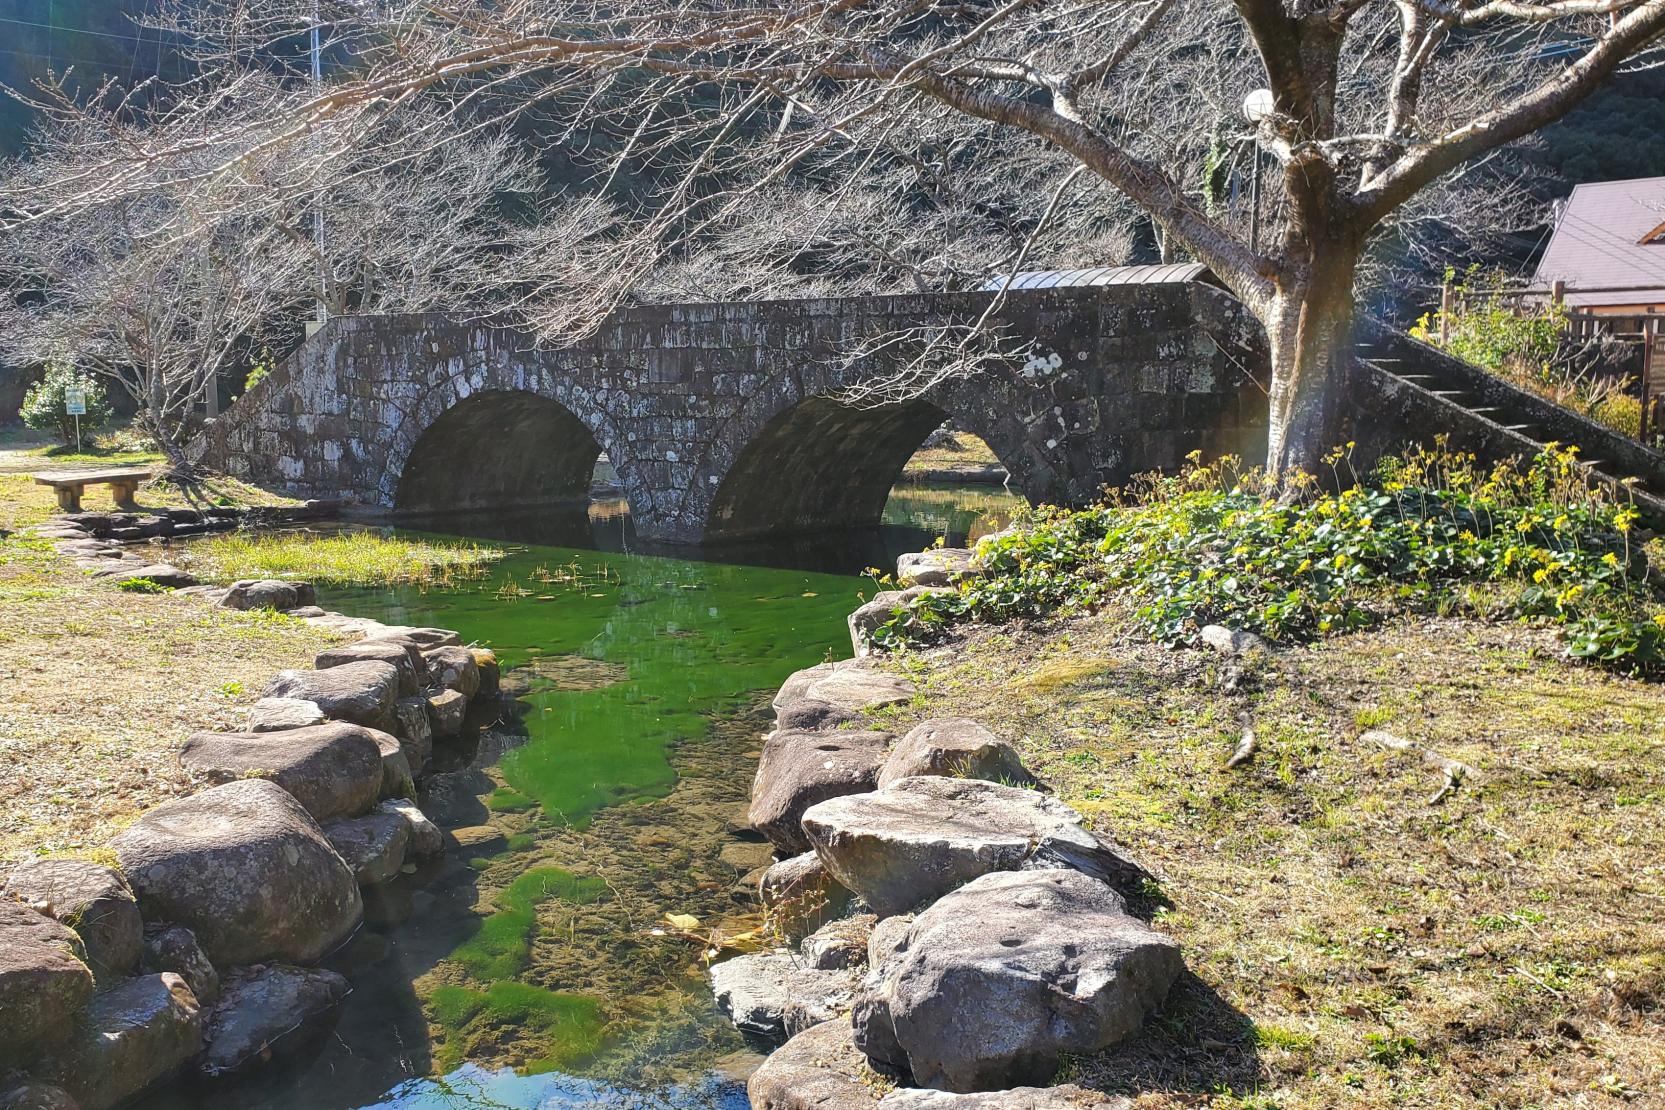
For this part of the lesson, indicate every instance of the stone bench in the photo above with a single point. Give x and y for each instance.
(69, 485)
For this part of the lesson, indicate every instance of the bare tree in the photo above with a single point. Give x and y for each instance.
(1372, 103)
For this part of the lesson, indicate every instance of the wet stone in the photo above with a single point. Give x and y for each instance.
(94, 901)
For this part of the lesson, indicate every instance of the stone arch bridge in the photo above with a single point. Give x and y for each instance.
(723, 420)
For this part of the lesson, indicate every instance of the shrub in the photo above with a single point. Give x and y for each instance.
(43, 405)
(1431, 532)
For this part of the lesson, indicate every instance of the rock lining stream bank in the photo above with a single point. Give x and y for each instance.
(195, 951)
(950, 930)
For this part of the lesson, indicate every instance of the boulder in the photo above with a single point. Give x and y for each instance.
(1066, 1097)
(917, 839)
(955, 747)
(423, 638)
(491, 672)
(775, 995)
(373, 845)
(397, 778)
(31, 1095)
(798, 769)
(160, 573)
(333, 769)
(839, 944)
(1231, 642)
(453, 668)
(261, 1007)
(819, 1069)
(44, 985)
(940, 566)
(134, 1036)
(269, 593)
(848, 684)
(867, 619)
(416, 730)
(426, 838)
(812, 715)
(246, 869)
(282, 714)
(362, 693)
(91, 899)
(174, 948)
(447, 710)
(801, 895)
(406, 658)
(994, 983)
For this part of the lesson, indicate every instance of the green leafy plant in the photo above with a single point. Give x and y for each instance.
(1430, 532)
(141, 586)
(43, 405)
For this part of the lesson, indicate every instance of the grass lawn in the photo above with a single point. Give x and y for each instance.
(1351, 944)
(98, 687)
(969, 453)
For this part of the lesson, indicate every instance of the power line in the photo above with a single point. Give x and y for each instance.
(74, 30)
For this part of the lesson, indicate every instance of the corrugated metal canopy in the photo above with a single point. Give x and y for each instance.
(1105, 275)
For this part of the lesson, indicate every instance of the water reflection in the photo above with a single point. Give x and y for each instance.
(475, 1088)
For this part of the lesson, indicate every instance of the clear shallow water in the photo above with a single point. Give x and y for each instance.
(534, 968)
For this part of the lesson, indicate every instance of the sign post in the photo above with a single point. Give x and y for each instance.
(75, 404)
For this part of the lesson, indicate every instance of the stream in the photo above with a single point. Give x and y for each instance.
(535, 967)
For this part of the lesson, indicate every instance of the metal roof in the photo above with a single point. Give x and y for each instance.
(1104, 275)
(1602, 240)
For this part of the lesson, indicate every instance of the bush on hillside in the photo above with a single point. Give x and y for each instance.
(43, 405)
(1430, 532)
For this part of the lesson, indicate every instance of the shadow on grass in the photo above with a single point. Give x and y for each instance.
(1197, 1042)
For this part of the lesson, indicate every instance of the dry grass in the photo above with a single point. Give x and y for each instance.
(1351, 944)
(98, 686)
(970, 454)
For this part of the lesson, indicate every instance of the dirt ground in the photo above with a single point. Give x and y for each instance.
(98, 687)
(1350, 942)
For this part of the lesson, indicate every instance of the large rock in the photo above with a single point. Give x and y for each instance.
(812, 715)
(839, 944)
(423, 638)
(333, 769)
(282, 714)
(403, 656)
(416, 730)
(940, 566)
(262, 1007)
(917, 839)
(799, 769)
(819, 1069)
(269, 593)
(174, 948)
(447, 710)
(867, 619)
(134, 1036)
(1231, 642)
(1066, 1097)
(491, 672)
(994, 983)
(848, 685)
(373, 845)
(955, 747)
(398, 778)
(453, 668)
(775, 995)
(92, 899)
(162, 574)
(801, 895)
(426, 838)
(246, 869)
(362, 693)
(44, 985)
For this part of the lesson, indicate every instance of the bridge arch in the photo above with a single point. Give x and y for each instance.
(820, 464)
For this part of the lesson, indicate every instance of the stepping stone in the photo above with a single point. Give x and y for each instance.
(917, 839)
(268, 593)
(282, 714)
(44, 985)
(133, 1037)
(775, 995)
(263, 1007)
(174, 948)
(941, 566)
(403, 657)
(819, 1069)
(454, 668)
(373, 845)
(848, 684)
(996, 982)
(426, 838)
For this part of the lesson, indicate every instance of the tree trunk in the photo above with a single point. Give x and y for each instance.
(1309, 327)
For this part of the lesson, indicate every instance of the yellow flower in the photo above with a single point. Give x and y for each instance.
(1659, 619)
(1540, 575)
(1306, 565)
(1610, 559)
(1340, 560)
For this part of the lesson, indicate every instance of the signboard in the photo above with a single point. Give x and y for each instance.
(75, 401)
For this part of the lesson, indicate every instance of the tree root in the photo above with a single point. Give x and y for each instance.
(1456, 772)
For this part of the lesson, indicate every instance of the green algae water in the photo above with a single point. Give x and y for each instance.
(535, 964)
